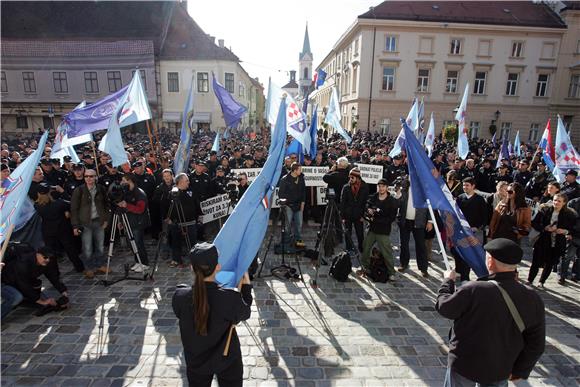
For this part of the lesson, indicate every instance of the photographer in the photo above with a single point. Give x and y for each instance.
(218, 183)
(336, 178)
(182, 218)
(381, 212)
(89, 218)
(352, 207)
(293, 189)
(23, 266)
(135, 203)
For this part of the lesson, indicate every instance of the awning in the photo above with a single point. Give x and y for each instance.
(204, 117)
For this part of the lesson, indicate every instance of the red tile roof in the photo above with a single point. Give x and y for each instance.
(511, 13)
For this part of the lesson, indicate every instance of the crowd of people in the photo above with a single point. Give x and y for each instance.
(504, 199)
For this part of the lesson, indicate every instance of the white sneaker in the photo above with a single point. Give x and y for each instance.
(135, 266)
(141, 268)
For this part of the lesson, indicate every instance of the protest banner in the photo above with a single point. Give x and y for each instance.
(216, 208)
(321, 196)
(252, 173)
(370, 173)
(313, 176)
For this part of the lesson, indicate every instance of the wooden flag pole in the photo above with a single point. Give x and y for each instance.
(443, 252)
(96, 160)
(229, 340)
(5, 245)
(151, 143)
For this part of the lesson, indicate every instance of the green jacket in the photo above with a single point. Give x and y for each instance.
(80, 206)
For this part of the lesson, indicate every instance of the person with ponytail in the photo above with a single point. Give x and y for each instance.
(207, 315)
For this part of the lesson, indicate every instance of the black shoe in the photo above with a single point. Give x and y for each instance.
(562, 281)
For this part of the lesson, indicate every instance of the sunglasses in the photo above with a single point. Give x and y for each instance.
(91, 176)
(509, 191)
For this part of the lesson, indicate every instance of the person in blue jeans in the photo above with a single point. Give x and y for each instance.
(11, 297)
(293, 191)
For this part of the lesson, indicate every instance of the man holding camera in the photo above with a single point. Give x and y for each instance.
(381, 212)
(89, 218)
(135, 204)
(20, 273)
(293, 189)
(182, 218)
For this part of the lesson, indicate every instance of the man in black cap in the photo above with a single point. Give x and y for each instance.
(199, 181)
(76, 179)
(145, 180)
(499, 324)
(570, 187)
(207, 315)
(395, 170)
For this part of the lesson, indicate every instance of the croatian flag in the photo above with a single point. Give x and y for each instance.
(566, 156)
(547, 148)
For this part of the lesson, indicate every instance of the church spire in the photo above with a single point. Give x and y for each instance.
(306, 45)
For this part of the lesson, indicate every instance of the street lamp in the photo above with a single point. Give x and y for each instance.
(496, 115)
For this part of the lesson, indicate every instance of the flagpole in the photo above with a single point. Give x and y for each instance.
(443, 253)
(5, 245)
(96, 160)
(151, 143)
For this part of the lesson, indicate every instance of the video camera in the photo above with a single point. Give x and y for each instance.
(330, 194)
(117, 193)
(232, 182)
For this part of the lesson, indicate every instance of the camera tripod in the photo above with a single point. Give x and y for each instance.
(122, 216)
(331, 216)
(283, 270)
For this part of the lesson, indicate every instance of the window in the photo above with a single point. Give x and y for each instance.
(542, 85)
(473, 129)
(479, 85)
(517, 49)
(241, 90)
(4, 83)
(455, 47)
(426, 45)
(452, 79)
(202, 82)
(229, 82)
(447, 123)
(534, 130)
(574, 90)
(512, 84)
(354, 79)
(59, 81)
(305, 73)
(29, 84)
(114, 79)
(143, 79)
(173, 82)
(506, 128)
(391, 43)
(21, 122)
(484, 48)
(91, 82)
(388, 78)
(423, 81)
(356, 47)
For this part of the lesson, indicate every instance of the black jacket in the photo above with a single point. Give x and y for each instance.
(351, 207)
(485, 344)
(162, 198)
(336, 180)
(204, 354)
(22, 272)
(54, 222)
(385, 213)
(189, 203)
(293, 189)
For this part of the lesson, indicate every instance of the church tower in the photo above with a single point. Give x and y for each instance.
(305, 66)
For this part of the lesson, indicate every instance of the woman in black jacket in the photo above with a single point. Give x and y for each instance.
(352, 207)
(555, 223)
(207, 314)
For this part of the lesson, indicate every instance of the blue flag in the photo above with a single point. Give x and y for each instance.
(241, 236)
(517, 145)
(424, 187)
(314, 133)
(216, 143)
(231, 109)
(320, 77)
(184, 149)
(295, 148)
(504, 153)
(14, 191)
(493, 139)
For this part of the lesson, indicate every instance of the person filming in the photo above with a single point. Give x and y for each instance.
(207, 314)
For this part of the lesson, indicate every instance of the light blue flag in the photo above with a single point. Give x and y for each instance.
(314, 133)
(425, 187)
(112, 142)
(216, 143)
(504, 153)
(412, 121)
(333, 116)
(493, 139)
(14, 190)
(295, 148)
(461, 117)
(227, 133)
(184, 149)
(68, 151)
(517, 144)
(430, 138)
(241, 236)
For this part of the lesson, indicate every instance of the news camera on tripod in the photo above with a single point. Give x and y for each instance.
(182, 218)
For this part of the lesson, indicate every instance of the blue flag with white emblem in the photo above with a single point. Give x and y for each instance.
(425, 186)
(241, 236)
(184, 149)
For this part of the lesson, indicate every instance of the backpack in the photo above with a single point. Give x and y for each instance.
(341, 267)
(378, 270)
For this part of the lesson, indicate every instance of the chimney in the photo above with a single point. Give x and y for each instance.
(221, 43)
(292, 75)
(212, 38)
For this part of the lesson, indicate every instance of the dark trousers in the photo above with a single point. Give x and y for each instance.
(178, 239)
(358, 228)
(233, 376)
(139, 235)
(67, 243)
(407, 228)
(548, 263)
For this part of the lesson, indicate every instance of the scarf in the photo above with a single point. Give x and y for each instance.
(355, 187)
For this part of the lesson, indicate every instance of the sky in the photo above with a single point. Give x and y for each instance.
(267, 36)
